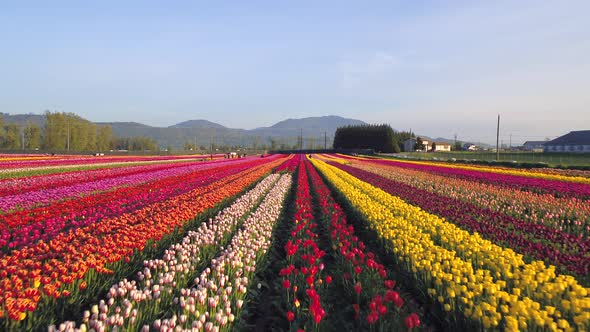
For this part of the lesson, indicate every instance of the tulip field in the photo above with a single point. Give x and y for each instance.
(322, 242)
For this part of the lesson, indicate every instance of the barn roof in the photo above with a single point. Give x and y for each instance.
(580, 137)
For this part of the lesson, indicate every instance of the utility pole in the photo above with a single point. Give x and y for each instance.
(211, 147)
(455, 141)
(510, 145)
(325, 141)
(498, 139)
(195, 146)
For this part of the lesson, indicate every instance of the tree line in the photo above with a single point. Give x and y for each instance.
(68, 132)
(11, 136)
(379, 137)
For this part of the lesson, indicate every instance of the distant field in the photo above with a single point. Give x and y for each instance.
(549, 158)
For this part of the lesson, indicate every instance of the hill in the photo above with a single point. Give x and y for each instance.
(23, 119)
(283, 133)
(197, 124)
(311, 126)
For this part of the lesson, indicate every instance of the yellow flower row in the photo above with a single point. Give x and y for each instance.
(10, 158)
(464, 271)
(503, 263)
(491, 169)
(327, 157)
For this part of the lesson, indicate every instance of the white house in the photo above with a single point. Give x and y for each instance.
(574, 141)
(441, 146)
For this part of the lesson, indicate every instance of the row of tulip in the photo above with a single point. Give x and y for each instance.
(539, 241)
(377, 302)
(562, 172)
(569, 214)
(26, 227)
(302, 278)
(289, 165)
(58, 191)
(21, 185)
(130, 304)
(218, 294)
(559, 186)
(31, 171)
(74, 260)
(22, 156)
(548, 174)
(84, 160)
(490, 284)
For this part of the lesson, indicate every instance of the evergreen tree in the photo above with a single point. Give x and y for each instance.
(381, 138)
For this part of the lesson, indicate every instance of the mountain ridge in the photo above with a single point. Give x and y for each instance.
(283, 133)
(199, 123)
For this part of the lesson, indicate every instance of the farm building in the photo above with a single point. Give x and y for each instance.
(574, 141)
(533, 145)
(441, 146)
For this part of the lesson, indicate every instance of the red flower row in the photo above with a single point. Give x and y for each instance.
(289, 165)
(302, 277)
(361, 265)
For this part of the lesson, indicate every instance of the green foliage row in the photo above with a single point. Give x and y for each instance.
(12, 138)
(381, 138)
(134, 144)
(68, 132)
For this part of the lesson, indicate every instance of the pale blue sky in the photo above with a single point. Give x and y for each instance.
(438, 67)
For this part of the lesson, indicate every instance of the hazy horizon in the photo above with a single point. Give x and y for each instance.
(437, 68)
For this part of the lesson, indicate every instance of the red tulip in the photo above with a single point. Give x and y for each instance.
(290, 316)
(389, 284)
(357, 288)
(412, 321)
